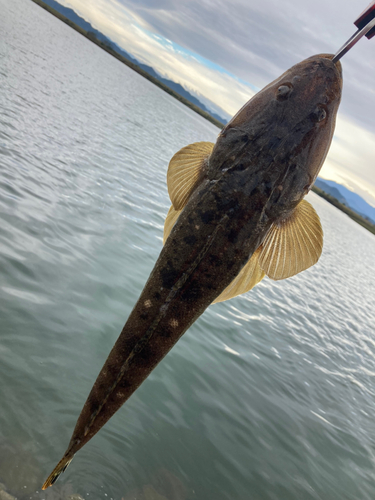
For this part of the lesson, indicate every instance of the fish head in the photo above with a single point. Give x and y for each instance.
(313, 89)
(288, 127)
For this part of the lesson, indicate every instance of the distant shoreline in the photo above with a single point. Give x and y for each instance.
(353, 215)
(102, 45)
(91, 36)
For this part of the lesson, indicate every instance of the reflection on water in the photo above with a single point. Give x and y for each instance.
(267, 396)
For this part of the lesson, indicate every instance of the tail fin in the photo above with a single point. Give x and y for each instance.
(59, 469)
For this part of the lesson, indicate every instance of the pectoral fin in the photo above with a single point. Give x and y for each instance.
(185, 171)
(293, 244)
(170, 221)
(248, 277)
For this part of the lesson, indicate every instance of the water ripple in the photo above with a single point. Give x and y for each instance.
(270, 395)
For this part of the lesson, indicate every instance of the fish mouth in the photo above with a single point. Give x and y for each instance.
(336, 66)
(337, 63)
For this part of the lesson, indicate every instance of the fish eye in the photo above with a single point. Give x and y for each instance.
(322, 113)
(283, 91)
(319, 114)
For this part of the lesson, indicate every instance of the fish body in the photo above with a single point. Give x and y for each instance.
(237, 214)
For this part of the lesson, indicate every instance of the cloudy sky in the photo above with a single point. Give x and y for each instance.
(225, 50)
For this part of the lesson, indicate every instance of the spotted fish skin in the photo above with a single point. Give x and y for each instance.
(185, 281)
(263, 163)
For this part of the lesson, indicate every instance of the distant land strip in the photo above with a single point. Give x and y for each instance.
(105, 46)
(353, 215)
(91, 36)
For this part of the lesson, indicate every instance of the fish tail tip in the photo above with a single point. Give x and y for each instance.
(59, 469)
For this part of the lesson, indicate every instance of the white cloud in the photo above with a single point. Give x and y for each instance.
(127, 30)
(235, 40)
(351, 159)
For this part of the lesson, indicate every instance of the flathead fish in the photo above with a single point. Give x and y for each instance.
(237, 215)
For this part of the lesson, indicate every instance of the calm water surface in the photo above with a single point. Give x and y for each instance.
(268, 396)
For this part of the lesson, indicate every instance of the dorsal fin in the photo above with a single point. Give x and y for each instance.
(248, 277)
(170, 221)
(293, 244)
(185, 170)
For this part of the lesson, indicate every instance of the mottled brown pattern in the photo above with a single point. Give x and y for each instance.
(262, 165)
